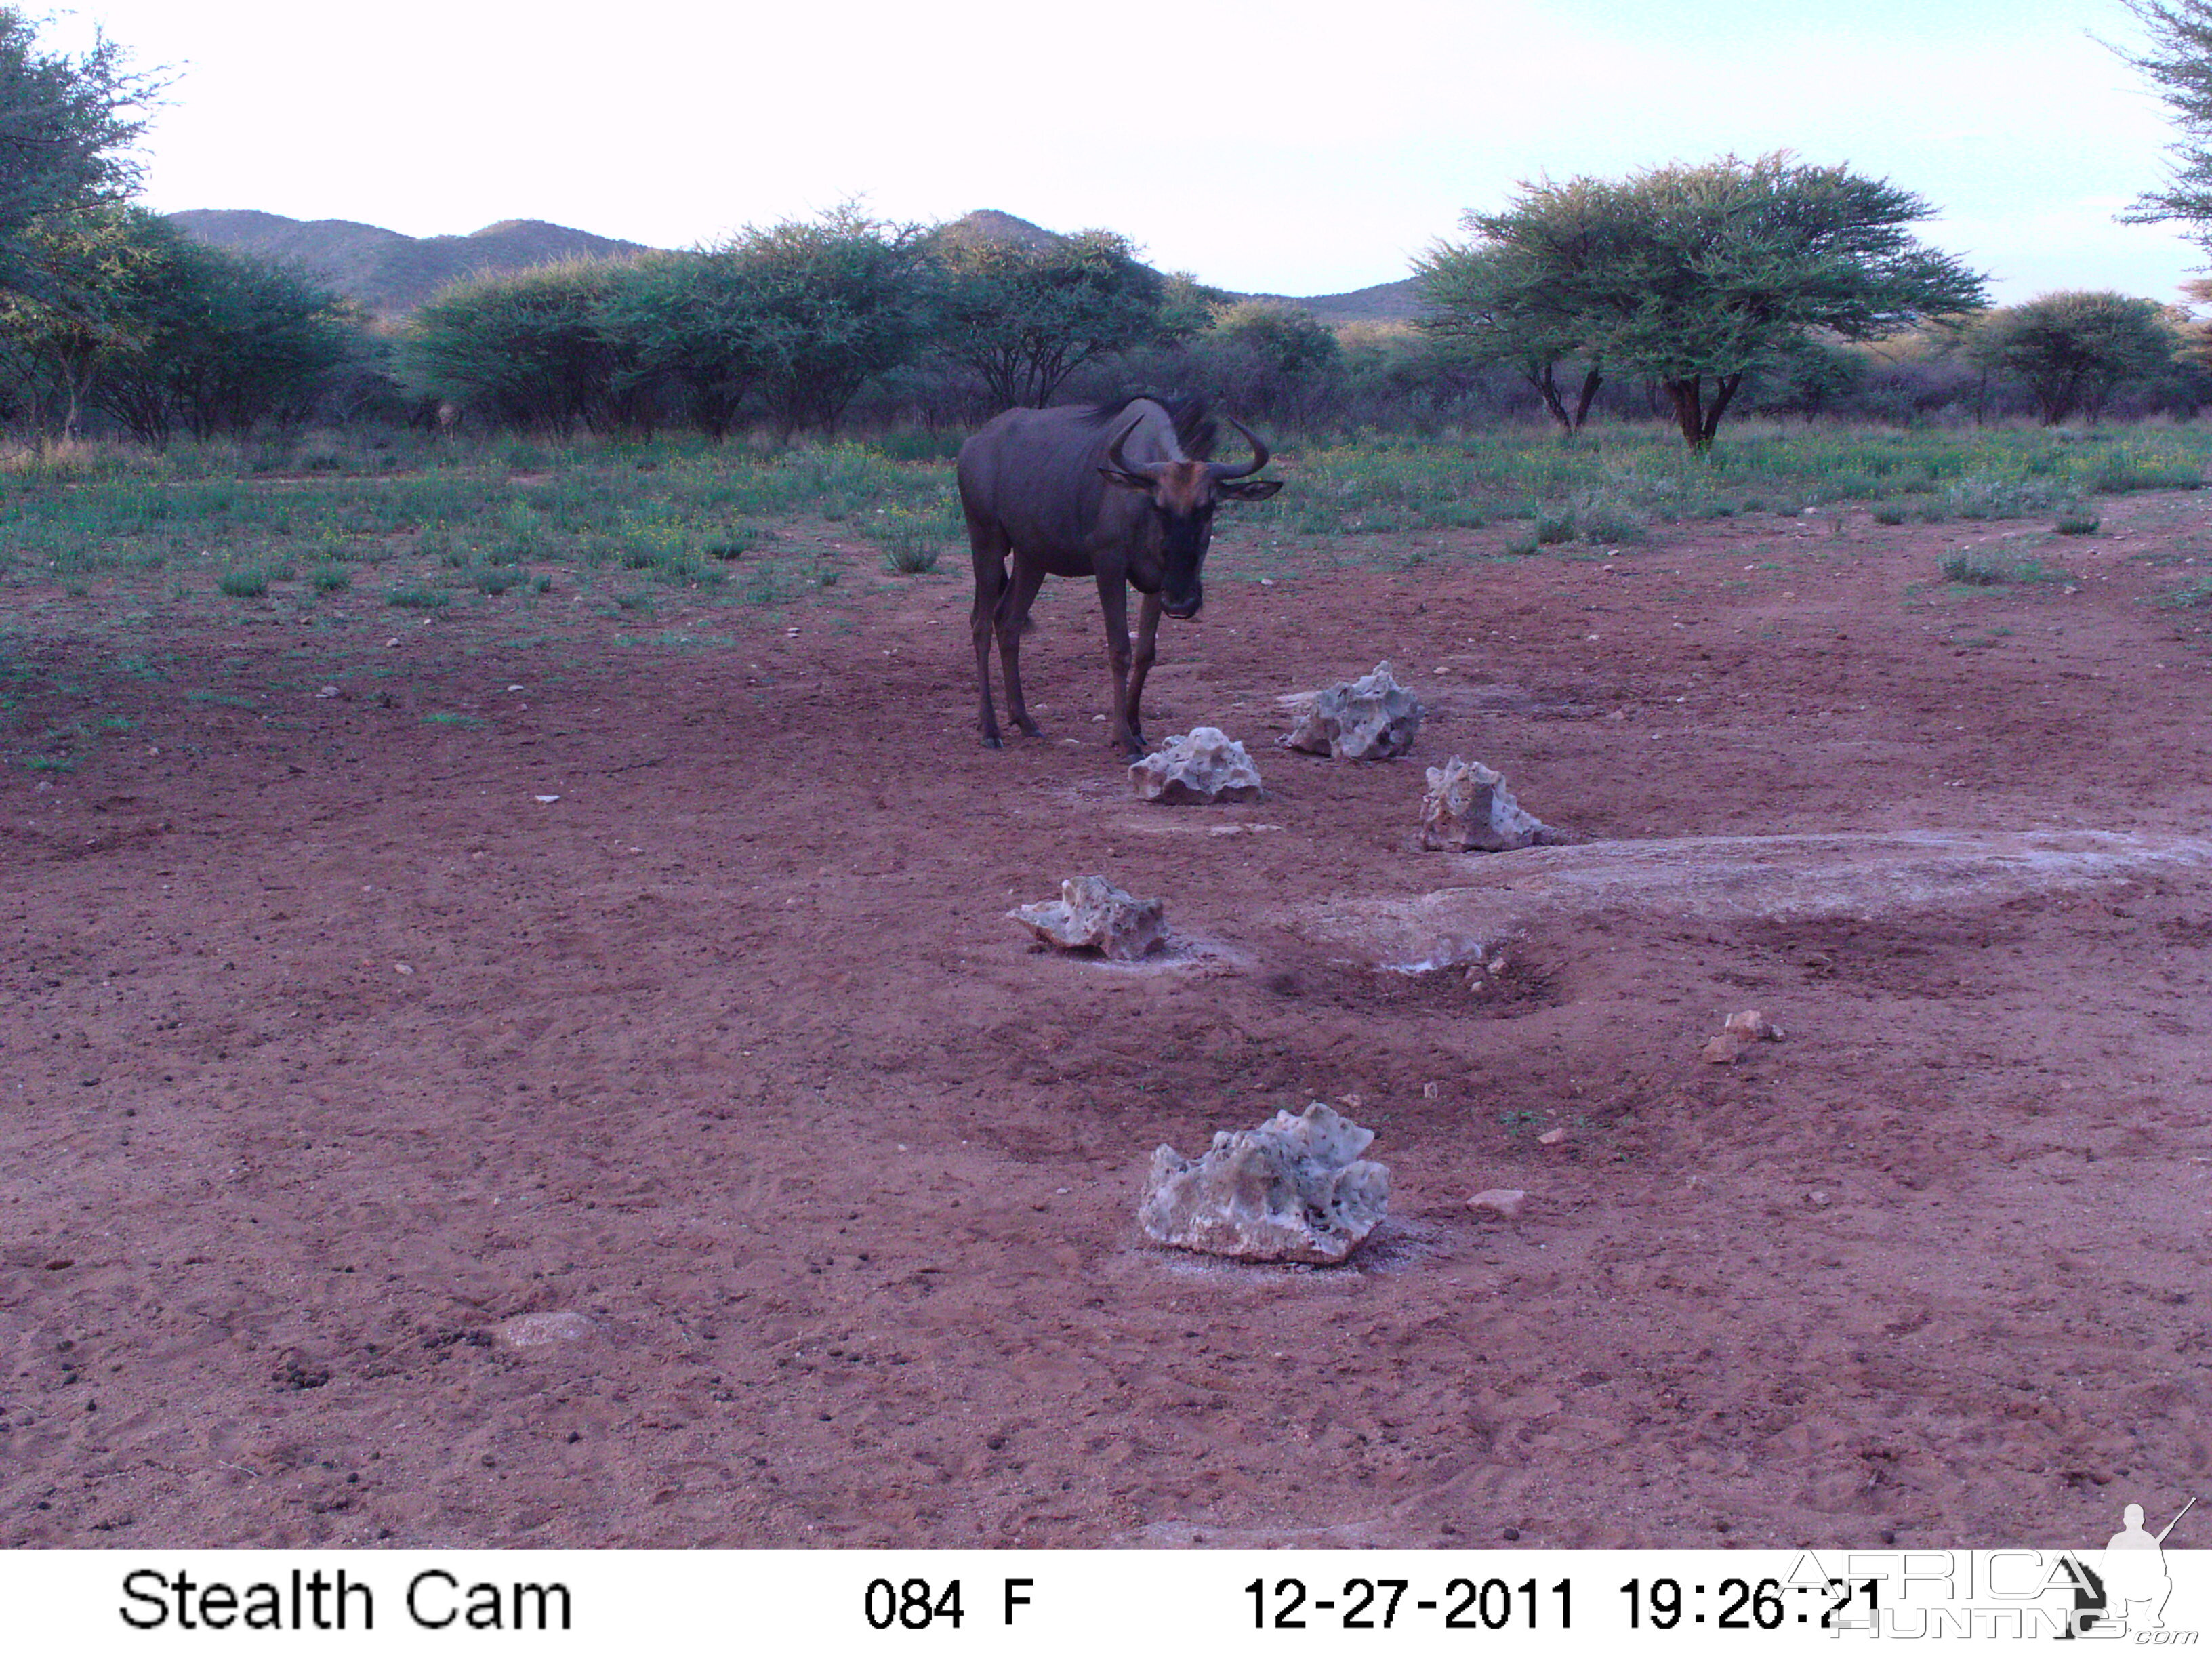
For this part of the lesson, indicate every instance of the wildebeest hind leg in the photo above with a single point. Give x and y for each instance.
(1013, 617)
(989, 546)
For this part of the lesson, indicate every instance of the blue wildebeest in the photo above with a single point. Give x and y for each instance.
(1123, 493)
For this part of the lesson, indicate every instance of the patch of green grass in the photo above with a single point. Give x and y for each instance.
(417, 598)
(1891, 513)
(2077, 521)
(50, 763)
(220, 700)
(1975, 570)
(2191, 595)
(246, 584)
(330, 578)
(496, 579)
(446, 717)
(912, 539)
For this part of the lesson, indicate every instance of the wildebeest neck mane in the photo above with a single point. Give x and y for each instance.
(1195, 430)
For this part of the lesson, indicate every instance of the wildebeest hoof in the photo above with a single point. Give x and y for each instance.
(1029, 728)
(991, 741)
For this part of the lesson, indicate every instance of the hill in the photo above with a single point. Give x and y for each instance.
(389, 273)
(1382, 302)
(392, 274)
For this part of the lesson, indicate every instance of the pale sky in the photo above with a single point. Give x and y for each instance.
(1272, 145)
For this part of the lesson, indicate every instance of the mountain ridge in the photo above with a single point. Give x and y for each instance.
(390, 273)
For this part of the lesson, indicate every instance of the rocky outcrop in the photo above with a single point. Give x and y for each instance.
(1469, 809)
(1294, 1189)
(1737, 1036)
(1371, 717)
(1092, 914)
(1204, 764)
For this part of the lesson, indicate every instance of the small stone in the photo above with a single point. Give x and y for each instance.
(1204, 764)
(1724, 1049)
(1092, 914)
(1552, 1137)
(1371, 717)
(1469, 809)
(1753, 1026)
(1506, 1202)
(1430, 1091)
(1294, 1189)
(545, 1330)
(328, 691)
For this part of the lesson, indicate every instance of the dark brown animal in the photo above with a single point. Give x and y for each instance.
(1122, 493)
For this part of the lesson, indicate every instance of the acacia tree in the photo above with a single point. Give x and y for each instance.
(2074, 350)
(220, 341)
(1694, 277)
(87, 308)
(2179, 62)
(1500, 299)
(532, 347)
(66, 127)
(1024, 317)
(835, 302)
(693, 321)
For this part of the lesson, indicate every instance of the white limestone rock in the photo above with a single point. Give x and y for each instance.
(1371, 717)
(1204, 764)
(1092, 914)
(1294, 1189)
(1469, 809)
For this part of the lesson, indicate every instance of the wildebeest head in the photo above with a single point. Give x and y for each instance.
(1183, 496)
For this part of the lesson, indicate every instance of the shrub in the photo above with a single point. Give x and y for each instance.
(2077, 521)
(910, 540)
(332, 579)
(419, 599)
(1977, 569)
(244, 583)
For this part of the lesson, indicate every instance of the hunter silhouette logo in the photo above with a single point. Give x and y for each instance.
(2128, 1589)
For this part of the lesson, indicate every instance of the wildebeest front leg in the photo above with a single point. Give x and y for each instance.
(989, 546)
(1013, 612)
(1148, 632)
(1114, 600)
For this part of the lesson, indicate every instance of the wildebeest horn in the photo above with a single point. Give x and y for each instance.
(1113, 452)
(1222, 470)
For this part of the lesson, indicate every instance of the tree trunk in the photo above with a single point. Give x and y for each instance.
(1591, 381)
(1688, 399)
(1548, 390)
(1723, 390)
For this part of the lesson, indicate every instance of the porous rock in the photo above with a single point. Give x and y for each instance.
(1739, 1032)
(1294, 1189)
(1505, 1201)
(546, 1330)
(1092, 914)
(1468, 808)
(1753, 1025)
(1371, 717)
(1203, 764)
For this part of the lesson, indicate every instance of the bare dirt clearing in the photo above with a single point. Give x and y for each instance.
(333, 1048)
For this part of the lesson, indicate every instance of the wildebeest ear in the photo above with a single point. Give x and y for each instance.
(1251, 490)
(1127, 480)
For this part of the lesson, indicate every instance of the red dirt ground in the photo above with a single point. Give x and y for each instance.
(329, 1048)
